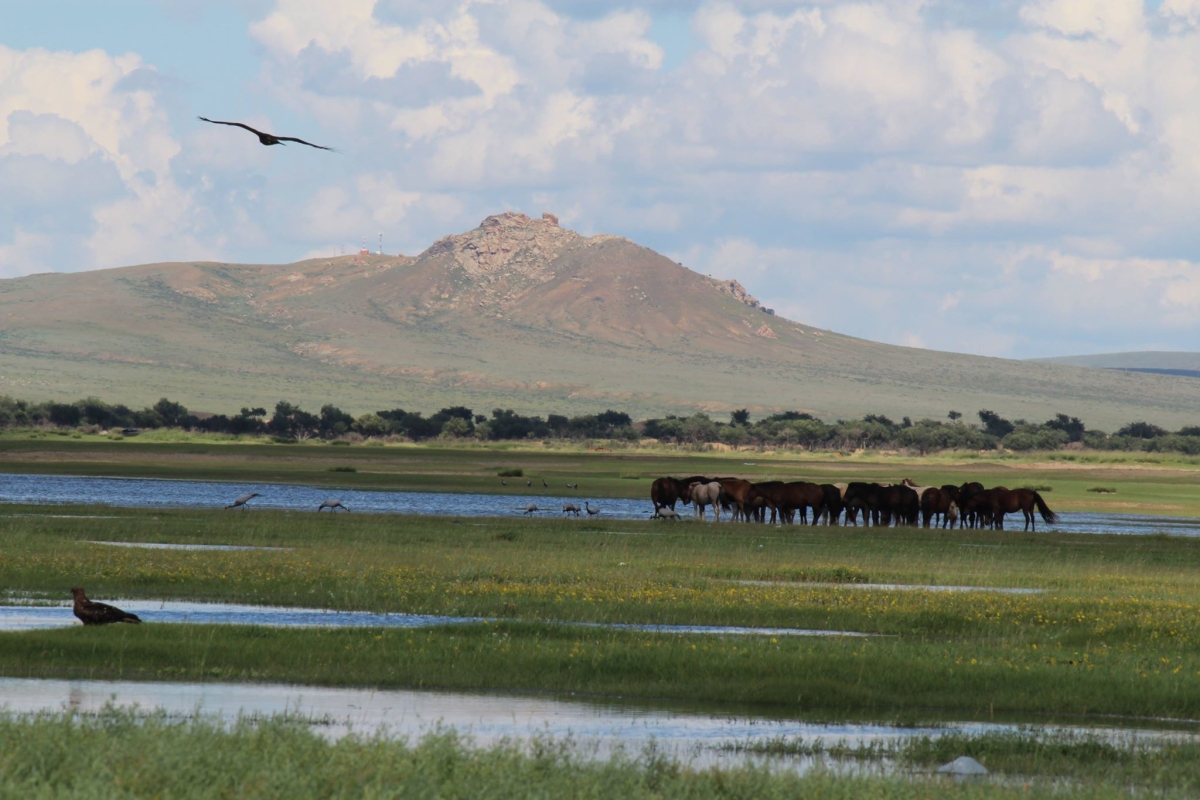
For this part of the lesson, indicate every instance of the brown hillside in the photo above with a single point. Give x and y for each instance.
(518, 312)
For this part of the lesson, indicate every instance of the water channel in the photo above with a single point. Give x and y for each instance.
(150, 493)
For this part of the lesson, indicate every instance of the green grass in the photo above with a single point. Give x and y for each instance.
(1170, 764)
(1115, 631)
(120, 754)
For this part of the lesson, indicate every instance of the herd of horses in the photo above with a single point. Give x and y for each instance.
(904, 503)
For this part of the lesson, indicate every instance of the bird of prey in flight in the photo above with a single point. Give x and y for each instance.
(267, 138)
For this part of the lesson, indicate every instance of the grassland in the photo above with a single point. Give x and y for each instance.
(1145, 483)
(1112, 637)
(1115, 631)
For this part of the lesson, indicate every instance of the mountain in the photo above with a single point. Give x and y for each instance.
(518, 313)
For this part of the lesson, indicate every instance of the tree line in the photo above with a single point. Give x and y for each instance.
(289, 422)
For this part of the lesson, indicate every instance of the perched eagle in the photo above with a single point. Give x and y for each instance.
(267, 138)
(98, 613)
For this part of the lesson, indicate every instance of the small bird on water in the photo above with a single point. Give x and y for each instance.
(266, 138)
(91, 613)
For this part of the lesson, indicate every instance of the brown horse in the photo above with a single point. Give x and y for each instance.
(738, 495)
(801, 496)
(669, 491)
(935, 502)
(1008, 501)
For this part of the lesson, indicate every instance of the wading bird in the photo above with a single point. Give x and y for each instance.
(572, 485)
(591, 511)
(571, 508)
(333, 506)
(531, 509)
(267, 138)
(90, 613)
(529, 482)
(242, 499)
(544, 484)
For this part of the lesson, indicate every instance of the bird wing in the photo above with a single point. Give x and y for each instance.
(235, 124)
(301, 141)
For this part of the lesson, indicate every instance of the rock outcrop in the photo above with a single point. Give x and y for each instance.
(739, 293)
(508, 243)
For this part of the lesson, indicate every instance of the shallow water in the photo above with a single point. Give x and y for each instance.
(148, 493)
(34, 617)
(892, 587)
(164, 546)
(698, 737)
(597, 728)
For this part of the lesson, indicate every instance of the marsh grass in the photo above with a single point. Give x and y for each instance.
(1116, 629)
(1171, 763)
(127, 754)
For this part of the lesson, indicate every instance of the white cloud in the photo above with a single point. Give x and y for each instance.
(1001, 190)
(79, 112)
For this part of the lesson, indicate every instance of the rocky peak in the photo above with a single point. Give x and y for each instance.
(508, 243)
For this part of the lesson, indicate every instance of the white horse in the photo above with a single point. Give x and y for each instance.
(705, 494)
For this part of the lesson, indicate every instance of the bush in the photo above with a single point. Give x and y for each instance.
(512, 473)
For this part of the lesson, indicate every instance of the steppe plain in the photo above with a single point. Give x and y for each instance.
(1111, 637)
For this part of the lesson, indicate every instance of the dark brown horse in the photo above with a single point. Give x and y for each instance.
(977, 507)
(766, 495)
(900, 503)
(936, 502)
(971, 511)
(669, 491)
(1008, 501)
(865, 497)
(833, 504)
(801, 496)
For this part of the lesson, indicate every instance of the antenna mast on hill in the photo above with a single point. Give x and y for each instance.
(381, 243)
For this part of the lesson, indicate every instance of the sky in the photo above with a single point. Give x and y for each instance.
(1016, 178)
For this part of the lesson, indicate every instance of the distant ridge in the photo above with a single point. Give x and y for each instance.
(1163, 361)
(1183, 373)
(516, 313)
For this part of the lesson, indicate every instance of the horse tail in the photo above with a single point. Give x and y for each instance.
(1044, 509)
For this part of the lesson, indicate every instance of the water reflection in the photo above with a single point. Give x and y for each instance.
(30, 617)
(598, 728)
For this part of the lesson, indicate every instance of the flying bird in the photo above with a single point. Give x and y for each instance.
(267, 138)
(90, 613)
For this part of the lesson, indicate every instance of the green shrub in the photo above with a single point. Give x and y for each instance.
(512, 473)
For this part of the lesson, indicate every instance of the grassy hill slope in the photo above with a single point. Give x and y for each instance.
(517, 313)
